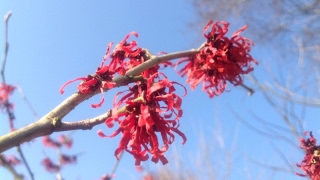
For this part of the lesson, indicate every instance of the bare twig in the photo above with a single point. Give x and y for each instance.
(258, 131)
(8, 166)
(275, 168)
(6, 44)
(9, 111)
(36, 117)
(116, 164)
(250, 90)
(25, 162)
(58, 175)
(86, 124)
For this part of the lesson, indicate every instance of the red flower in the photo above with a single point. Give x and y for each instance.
(47, 141)
(5, 105)
(311, 162)
(65, 159)
(12, 160)
(147, 177)
(49, 165)
(102, 79)
(220, 60)
(126, 56)
(122, 51)
(5, 92)
(65, 140)
(107, 177)
(146, 112)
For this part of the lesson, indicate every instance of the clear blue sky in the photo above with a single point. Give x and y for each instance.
(53, 42)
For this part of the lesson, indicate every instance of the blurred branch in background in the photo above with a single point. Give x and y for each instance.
(289, 31)
(8, 89)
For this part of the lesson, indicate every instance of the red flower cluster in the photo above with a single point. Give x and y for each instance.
(311, 162)
(49, 165)
(146, 112)
(12, 160)
(63, 140)
(146, 176)
(5, 92)
(102, 79)
(5, 105)
(64, 159)
(125, 56)
(125, 50)
(220, 60)
(107, 177)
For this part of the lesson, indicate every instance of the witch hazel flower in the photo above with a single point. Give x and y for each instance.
(7, 107)
(311, 161)
(12, 160)
(220, 60)
(107, 177)
(102, 79)
(5, 92)
(50, 166)
(63, 140)
(67, 159)
(149, 110)
(127, 55)
(125, 50)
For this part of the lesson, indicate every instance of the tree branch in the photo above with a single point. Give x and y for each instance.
(51, 122)
(87, 124)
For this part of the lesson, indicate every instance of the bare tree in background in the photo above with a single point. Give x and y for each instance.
(290, 31)
(268, 20)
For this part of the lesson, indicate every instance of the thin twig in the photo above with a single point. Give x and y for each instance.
(6, 44)
(258, 131)
(86, 124)
(250, 90)
(36, 117)
(8, 108)
(59, 177)
(8, 166)
(116, 165)
(25, 162)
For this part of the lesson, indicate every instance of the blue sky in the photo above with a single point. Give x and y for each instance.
(54, 42)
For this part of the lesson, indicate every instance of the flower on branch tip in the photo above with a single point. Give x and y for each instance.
(149, 110)
(48, 142)
(5, 92)
(107, 176)
(122, 51)
(49, 165)
(311, 161)
(101, 80)
(220, 60)
(148, 177)
(63, 140)
(12, 160)
(66, 159)
(127, 55)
